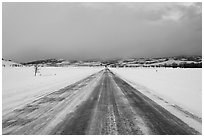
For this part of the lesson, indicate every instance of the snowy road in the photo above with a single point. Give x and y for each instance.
(100, 104)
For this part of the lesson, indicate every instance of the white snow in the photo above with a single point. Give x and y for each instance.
(20, 86)
(171, 61)
(7, 63)
(180, 86)
(170, 87)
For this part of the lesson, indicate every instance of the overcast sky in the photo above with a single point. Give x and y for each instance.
(34, 31)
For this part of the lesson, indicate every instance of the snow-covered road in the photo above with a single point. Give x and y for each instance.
(36, 105)
(102, 103)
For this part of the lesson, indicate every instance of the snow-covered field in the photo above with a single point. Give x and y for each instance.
(177, 90)
(166, 86)
(180, 86)
(20, 86)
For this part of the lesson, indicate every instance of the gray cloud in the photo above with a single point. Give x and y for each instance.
(100, 30)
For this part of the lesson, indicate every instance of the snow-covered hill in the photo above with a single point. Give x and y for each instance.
(9, 63)
(62, 63)
(178, 61)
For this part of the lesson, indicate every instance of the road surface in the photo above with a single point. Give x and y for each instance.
(108, 106)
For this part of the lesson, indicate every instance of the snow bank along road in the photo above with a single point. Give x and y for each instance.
(102, 103)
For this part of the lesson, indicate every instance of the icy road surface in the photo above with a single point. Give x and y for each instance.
(102, 103)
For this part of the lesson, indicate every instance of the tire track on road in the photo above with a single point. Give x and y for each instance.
(114, 107)
(78, 122)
